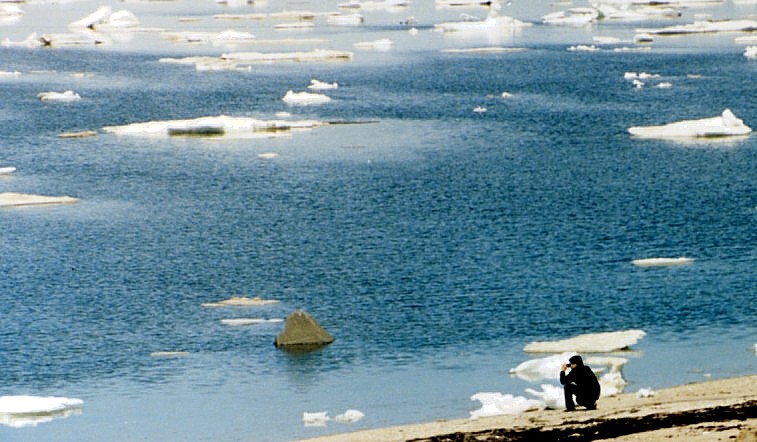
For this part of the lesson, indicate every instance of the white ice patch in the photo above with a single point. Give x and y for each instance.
(535, 370)
(644, 393)
(59, 97)
(250, 321)
(589, 343)
(662, 262)
(229, 127)
(305, 98)
(494, 404)
(315, 419)
(28, 411)
(349, 416)
(727, 124)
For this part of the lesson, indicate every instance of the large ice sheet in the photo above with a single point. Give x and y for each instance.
(12, 199)
(704, 27)
(492, 22)
(589, 343)
(216, 126)
(28, 411)
(727, 124)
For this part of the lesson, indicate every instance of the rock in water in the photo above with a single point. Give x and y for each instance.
(303, 332)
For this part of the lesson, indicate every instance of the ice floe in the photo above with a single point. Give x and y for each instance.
(583, 48)
(317, 85)
(382, 44)
(12, 199)
(494, 404)
(168, 354)
(241, 301)
(751, 52)
(605, 342)
(305, 98)
(581, 16)
(29, 411)
(644, 393)
(227, 37)
(345, 19)
(315, 419)
(727, 124)
(704, 26)
(237, 60)
(387, 5)
(7, 170)
(492, 22)
(662, 262)
(218, 126)
(59, 97)
(349, 416)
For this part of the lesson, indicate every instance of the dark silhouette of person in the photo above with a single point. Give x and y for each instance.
(581, 382)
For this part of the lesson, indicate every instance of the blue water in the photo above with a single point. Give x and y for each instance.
(433, 242)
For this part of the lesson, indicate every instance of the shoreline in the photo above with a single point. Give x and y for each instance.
(719, 409)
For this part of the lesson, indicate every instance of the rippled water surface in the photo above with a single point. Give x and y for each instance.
(432, 241)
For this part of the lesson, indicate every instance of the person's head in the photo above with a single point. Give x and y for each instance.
(576, 360)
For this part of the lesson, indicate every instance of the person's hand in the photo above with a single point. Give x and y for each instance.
(564, 367)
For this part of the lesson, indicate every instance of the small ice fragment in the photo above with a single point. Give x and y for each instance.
(349, 416)
(59, 97)
(268, 155)
(507, 95)
(316, 419)
(305, 98)
(320, 85)
(662, 262)
(479, 109)
(644, 393)
(241, 301)
(494, 404)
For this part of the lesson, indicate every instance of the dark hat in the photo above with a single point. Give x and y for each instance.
(576, 360)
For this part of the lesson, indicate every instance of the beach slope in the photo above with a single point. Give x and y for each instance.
(704, 411)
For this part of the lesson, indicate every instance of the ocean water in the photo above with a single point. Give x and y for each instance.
(432, 241)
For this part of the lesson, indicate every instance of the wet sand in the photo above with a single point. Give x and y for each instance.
(724, 409)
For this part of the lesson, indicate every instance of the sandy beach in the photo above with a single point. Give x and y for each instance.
(724, 409)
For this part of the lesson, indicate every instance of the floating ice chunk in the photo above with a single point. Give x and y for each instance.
(535, 370)
(603, 40)
(7, 170)
(492, 22)
(640, 76)
(168, 354)
(506, 95)
(583, 48)
(644, 393)
(750, 52)
(662, 262)
(382, 44)
(99, 16)
(494, 404)
(79, 134)
(589, 343)
(317, 85)
(241, 301)
(316, 419)
(349, 416)
(268, 155)
(59, 97)
(345, 19)
(214, 126)
(721, 126)
(552, 396)
(643, 37)
(572, 17)
(479, 109)
(295, 25)
(28, 411)
(305, 98)
(705, 26)
(250, 321)
(389, 5)
(32, 41)
(645, 12)
(11, 199)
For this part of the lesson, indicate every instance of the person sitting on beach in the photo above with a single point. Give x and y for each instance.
(580, 382)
